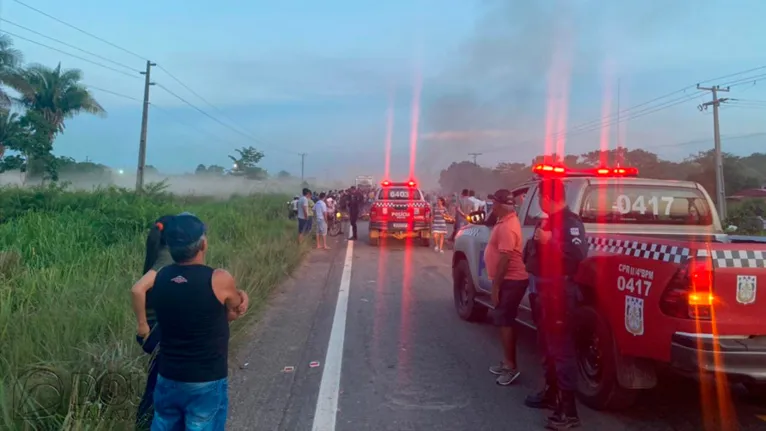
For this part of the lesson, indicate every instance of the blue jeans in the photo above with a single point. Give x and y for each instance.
(557, 303)
(180, 406)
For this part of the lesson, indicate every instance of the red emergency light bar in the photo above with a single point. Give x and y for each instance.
(410, 183)
(544, 169)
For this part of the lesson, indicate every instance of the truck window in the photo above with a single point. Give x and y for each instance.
(399, 194)
(644, 204)
(534, 213)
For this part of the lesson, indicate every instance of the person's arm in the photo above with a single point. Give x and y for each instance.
(225, 289)
(138, 294)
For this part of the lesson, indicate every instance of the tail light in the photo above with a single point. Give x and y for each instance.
(689, 294)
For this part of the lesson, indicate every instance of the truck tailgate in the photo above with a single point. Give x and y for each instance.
(739, 270)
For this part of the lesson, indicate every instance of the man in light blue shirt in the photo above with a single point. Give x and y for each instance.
(304, 222)
(320, 212)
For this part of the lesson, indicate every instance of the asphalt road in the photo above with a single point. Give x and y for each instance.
(408, 362)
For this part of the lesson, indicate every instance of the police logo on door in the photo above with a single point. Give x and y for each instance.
(746, 289)
(634, 315)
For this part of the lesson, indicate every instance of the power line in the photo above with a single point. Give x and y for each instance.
(250, 137)
(190, 90)
(114, 93)
(69, 45)
(203, 112)
(72, 55)
(74, 27)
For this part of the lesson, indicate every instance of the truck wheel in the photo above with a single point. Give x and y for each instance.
(598, 385)
(465, 293)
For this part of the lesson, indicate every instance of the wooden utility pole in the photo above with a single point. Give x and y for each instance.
(719, 180)
(144, 120)
(474, 155)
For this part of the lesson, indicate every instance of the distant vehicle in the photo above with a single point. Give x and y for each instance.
(365, 183)
(400, 211)
(663, 286)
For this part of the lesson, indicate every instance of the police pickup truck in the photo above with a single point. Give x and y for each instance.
(400, 211)
(663, 286)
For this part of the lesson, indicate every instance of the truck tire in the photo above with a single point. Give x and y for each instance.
(598, 385)
(464, 294)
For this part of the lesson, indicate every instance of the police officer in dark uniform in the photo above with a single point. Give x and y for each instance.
(556, 251)
(355, 200)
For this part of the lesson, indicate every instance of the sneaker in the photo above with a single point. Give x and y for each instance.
(436, 248)
(508, 377)
(498, 369)
(441, 251)
(545, 399)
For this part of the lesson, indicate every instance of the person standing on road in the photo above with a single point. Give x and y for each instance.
(193, 304)
(463, 207)
(439, 224)
(505, 267)
(560, 246)
(304, 222)
(157, 256)
(321, 214)
(355, 202)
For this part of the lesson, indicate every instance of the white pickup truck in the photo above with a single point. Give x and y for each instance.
(663, 284)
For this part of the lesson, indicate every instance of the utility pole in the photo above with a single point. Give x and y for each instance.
(144, 120)
(474, 155)
(719, 180)
(303, 164)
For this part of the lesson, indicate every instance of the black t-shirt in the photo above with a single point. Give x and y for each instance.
(195, 330)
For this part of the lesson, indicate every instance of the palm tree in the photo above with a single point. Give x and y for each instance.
(9, 129)
(58, 95)
(10, 60)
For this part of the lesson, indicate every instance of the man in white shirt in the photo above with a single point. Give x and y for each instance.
(320, 212)
(478, 204)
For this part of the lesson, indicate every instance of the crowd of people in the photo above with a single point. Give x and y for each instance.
(187, 383)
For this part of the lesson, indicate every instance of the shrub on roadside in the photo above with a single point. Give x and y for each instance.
(67, 261)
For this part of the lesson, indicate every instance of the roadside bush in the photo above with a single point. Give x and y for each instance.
(748, 217)
(67, 261)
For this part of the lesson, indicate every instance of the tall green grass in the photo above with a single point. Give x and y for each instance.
(67, 261)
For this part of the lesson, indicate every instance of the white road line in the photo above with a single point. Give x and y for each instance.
(329, 388)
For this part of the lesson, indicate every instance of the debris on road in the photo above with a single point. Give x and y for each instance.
(314, 364)
(288, 369)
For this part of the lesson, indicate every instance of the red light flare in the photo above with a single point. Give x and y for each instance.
(415, 119)
(606, 109)
(389, 132)
(559, 77)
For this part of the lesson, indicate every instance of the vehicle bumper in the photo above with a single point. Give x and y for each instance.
(416, 229)
(741, 358)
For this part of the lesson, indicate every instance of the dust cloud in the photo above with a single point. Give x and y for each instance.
(222, 187)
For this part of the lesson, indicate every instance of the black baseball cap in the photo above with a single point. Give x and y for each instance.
(502, 196)
(183, 230)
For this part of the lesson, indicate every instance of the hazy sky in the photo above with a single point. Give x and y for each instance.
(318, 77)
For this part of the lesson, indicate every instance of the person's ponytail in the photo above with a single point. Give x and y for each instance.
(154, 243)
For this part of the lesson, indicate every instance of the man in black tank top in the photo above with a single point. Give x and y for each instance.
(194, 304)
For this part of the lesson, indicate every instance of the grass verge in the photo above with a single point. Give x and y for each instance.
(67, 260)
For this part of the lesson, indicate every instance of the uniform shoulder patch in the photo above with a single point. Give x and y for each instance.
(575, 231)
